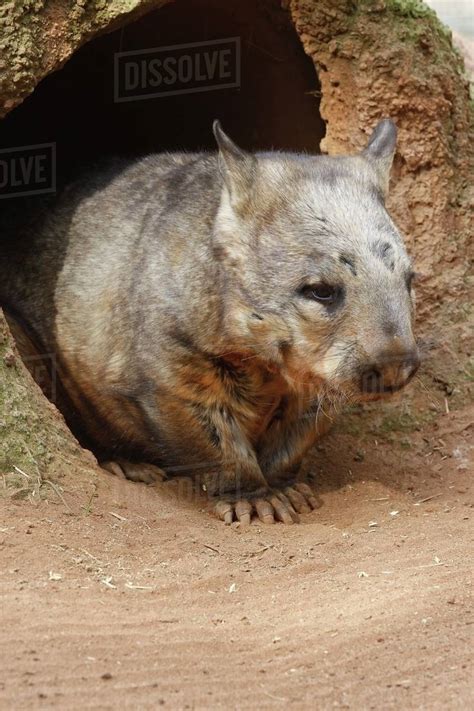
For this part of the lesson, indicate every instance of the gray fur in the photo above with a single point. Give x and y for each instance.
(171, 289)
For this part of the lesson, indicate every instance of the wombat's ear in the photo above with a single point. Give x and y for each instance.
(237, 167)
(380, 151)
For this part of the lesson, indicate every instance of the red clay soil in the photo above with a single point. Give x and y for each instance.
(133, 598)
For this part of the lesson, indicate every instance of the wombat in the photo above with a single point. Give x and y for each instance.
(210, 312)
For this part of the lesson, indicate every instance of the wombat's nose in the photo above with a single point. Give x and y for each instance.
(389, 373)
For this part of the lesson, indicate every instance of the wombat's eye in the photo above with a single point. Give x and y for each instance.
(324, 293)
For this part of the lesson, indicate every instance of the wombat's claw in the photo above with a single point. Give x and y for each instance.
(304, 497)
(142, 472)
(242, 510)
(274, 506)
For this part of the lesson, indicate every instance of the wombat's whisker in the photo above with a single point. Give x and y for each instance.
(430, 391)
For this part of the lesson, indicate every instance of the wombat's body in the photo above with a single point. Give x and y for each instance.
(206, 311)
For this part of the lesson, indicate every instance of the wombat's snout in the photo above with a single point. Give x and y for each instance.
(390, 372)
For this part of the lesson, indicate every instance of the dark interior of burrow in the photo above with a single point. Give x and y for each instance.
(276, 104)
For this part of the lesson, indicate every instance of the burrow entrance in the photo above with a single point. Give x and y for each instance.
(275, 106)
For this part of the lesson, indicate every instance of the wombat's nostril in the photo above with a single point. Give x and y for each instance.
(371, 381)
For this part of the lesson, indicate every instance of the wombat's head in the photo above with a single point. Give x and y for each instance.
(318, 280)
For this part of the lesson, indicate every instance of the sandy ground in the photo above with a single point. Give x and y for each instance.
(130, 597)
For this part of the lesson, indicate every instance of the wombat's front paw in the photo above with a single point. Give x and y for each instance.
(143, 472)
(280, 505)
